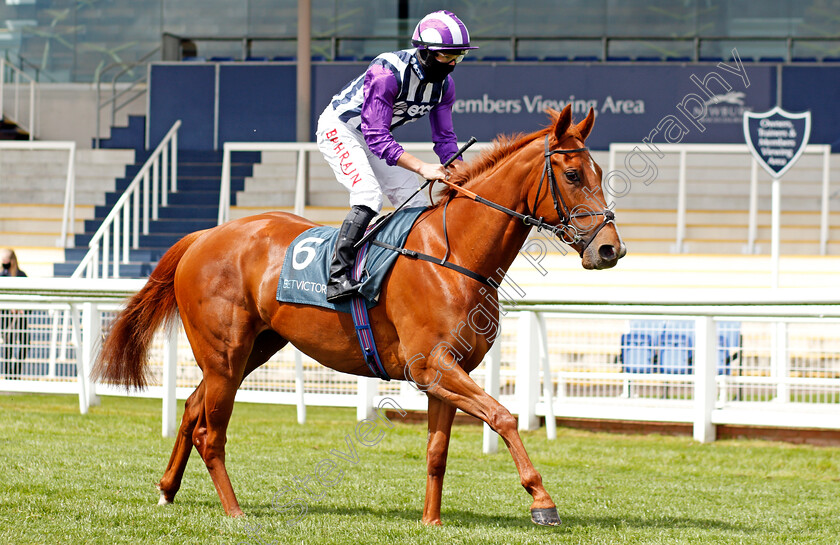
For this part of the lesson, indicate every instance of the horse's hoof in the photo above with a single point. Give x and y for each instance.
(545, 517)
(163, 500)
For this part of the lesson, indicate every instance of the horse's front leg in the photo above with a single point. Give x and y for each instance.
(441, 415)
(457, 388)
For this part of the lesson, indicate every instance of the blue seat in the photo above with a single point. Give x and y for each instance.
(771, 59)
(648, 59)
(710, 59)
(284, 58)
(804, 59)
(495, 58)
(318, 58)
(194, 59)
(526, 59)
(222, 59)
(677, 59)
(831, 59)
(256, 59)
(618, 58)
(743, 59)
(345, 58)
(586, 58)
(676, 347)
(556, 58)
(637, 352)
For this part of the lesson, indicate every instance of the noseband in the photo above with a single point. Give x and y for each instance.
(566, 216)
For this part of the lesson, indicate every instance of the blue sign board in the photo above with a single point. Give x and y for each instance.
(777, 138)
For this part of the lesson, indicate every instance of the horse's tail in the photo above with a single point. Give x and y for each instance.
(122, 359)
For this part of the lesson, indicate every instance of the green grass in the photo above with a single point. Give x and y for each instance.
(70, 479)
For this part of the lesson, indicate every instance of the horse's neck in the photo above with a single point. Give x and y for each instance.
(483, 239)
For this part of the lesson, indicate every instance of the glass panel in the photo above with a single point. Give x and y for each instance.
(744, 18)
(651, 18)
(272, 18)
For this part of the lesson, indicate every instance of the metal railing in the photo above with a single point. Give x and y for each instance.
(731, 149)
(536, 368)
(14, 97)
(696, 47)
(138, 205)
(121, 99)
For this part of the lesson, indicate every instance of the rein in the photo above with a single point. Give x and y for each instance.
(565, 215)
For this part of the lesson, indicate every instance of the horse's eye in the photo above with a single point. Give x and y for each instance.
(572, 176)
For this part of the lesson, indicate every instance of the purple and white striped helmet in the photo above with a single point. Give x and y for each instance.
(441, 30)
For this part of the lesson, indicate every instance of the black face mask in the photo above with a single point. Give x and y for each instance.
(434, 70)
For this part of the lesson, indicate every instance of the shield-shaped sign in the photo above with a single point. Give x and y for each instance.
(777, 138)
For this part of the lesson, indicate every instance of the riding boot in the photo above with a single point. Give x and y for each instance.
(341, 285)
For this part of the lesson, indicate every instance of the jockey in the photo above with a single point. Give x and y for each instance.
(354, 131)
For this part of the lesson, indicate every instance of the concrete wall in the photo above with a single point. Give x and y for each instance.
(67, 111)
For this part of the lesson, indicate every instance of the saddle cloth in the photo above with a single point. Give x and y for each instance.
(305, 272)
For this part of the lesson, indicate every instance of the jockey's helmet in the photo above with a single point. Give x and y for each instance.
(442, 31)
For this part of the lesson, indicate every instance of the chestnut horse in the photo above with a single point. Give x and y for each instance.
(223, 281)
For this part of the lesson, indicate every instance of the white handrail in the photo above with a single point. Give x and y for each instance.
(69, 214)
(122, 224)
(302, 172)
(15, 85)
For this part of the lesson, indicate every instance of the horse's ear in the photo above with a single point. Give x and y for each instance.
(562, 122)
(585, 126)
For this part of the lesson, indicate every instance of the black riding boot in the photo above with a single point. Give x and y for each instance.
(341, 285)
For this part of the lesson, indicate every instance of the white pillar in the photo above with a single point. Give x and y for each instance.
(368, 388)
(169, 416)
(301, 404)
(705, 372)
(527, 370)
(91, 332)
(490, 441)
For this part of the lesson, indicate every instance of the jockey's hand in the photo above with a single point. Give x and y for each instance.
(430, 171)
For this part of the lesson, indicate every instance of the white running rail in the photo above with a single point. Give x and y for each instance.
(14, 97)
(152, 185)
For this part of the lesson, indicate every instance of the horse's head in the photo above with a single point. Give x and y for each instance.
(569, 193)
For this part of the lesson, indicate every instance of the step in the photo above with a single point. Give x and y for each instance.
(41, 210)
(12, 239)
(18, 196)
(189, 184)
(127, 270)
(24, 225)
(43, 184)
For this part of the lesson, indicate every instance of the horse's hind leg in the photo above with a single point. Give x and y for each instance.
(171, 480)
(194, 425)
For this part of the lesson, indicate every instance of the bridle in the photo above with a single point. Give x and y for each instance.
(567, 232)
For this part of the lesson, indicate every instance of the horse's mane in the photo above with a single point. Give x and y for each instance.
(503, 146)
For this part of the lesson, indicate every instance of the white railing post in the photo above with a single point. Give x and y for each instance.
(705, 371)
(155, 187)
(90, 333)
(527, 370)
(780, 363)
(548, 380)
(490, 439)
(170, 375)
(824, 204)
(300, 182)
(81, 369)
(224, 196)
(174, 144)
(752, 232)
(368, 388)
(164, 176)
(299, 386)
(679, 246)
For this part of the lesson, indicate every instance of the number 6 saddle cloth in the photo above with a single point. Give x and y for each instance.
(303, 278)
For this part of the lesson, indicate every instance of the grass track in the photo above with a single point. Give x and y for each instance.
(70, 479)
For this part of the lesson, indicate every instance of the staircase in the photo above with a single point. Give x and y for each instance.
(195, 206)
(9, 130)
